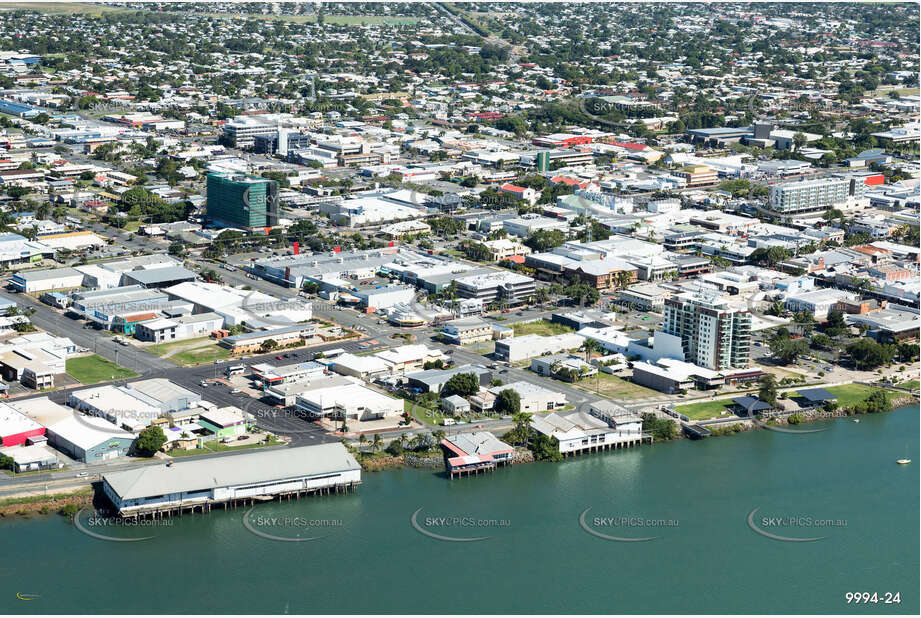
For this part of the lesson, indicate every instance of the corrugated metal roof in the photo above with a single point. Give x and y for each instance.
(240, 469)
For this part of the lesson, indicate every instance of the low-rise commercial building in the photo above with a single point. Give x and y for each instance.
(471, 453)
(579, 432)
(534, 398)
(466, 331)
(43, 280)
(31, 458)
(282, 337)
(348, 402)
(16, 427)
(521, 348)
(206, 482)
(503, 287)
(226, 422)
(89, 439)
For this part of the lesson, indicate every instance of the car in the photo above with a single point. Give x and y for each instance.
(203, 383)
(80, 474)
(234, 391)
(218, 361)
(504, 371)
(278, 357)
(243, 438)
(478, 427)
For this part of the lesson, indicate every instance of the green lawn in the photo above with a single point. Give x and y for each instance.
(422, 414)
(911, 385)
(220, 447)
(93, 369)
(848, 394)
(613, 387)
(540, 327)
(704, 409)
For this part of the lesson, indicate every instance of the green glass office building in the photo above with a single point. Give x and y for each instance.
(239, 200)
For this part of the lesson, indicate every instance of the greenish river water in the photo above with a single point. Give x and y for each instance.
(537, 557)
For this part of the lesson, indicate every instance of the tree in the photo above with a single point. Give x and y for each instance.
(149, 441)
(546, 448)
(622, 279)
(395, 448)
(545, 240)
(868, 354)
(176, 248)
(768, 389)
(835, 325)
(769, 257)
(660, 428)
(908, 352)
(786, 350)
(376, 442)
(463, 384)
(590, 346)
(7, 463)
(508, 401)
(269, 344)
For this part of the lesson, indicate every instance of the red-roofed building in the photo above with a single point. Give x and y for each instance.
(630, 146)
(569, 182)
(525, 193)
(486, 115)
(468, 453)
(561, 140)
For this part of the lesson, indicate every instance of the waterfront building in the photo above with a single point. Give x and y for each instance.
(470, 453)
(579, 432)
(203, 483)
(713, 335)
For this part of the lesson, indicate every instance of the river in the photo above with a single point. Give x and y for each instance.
(696, 497)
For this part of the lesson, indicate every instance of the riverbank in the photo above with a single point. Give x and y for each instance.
(26, 506)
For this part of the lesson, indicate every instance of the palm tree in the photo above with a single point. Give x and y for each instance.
(377, 442)
(590, 346)
(403, 439)
(623, 278)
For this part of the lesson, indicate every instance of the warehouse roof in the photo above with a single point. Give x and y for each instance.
(12, 421)
(248, 468)
(154, 276)
(87, 431)
(48, 274)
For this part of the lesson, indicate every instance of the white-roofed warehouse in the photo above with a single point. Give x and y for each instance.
(250, 477)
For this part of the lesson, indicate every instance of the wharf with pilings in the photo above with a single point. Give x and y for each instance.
(206, 505)
(474, 470)
(612, 446)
